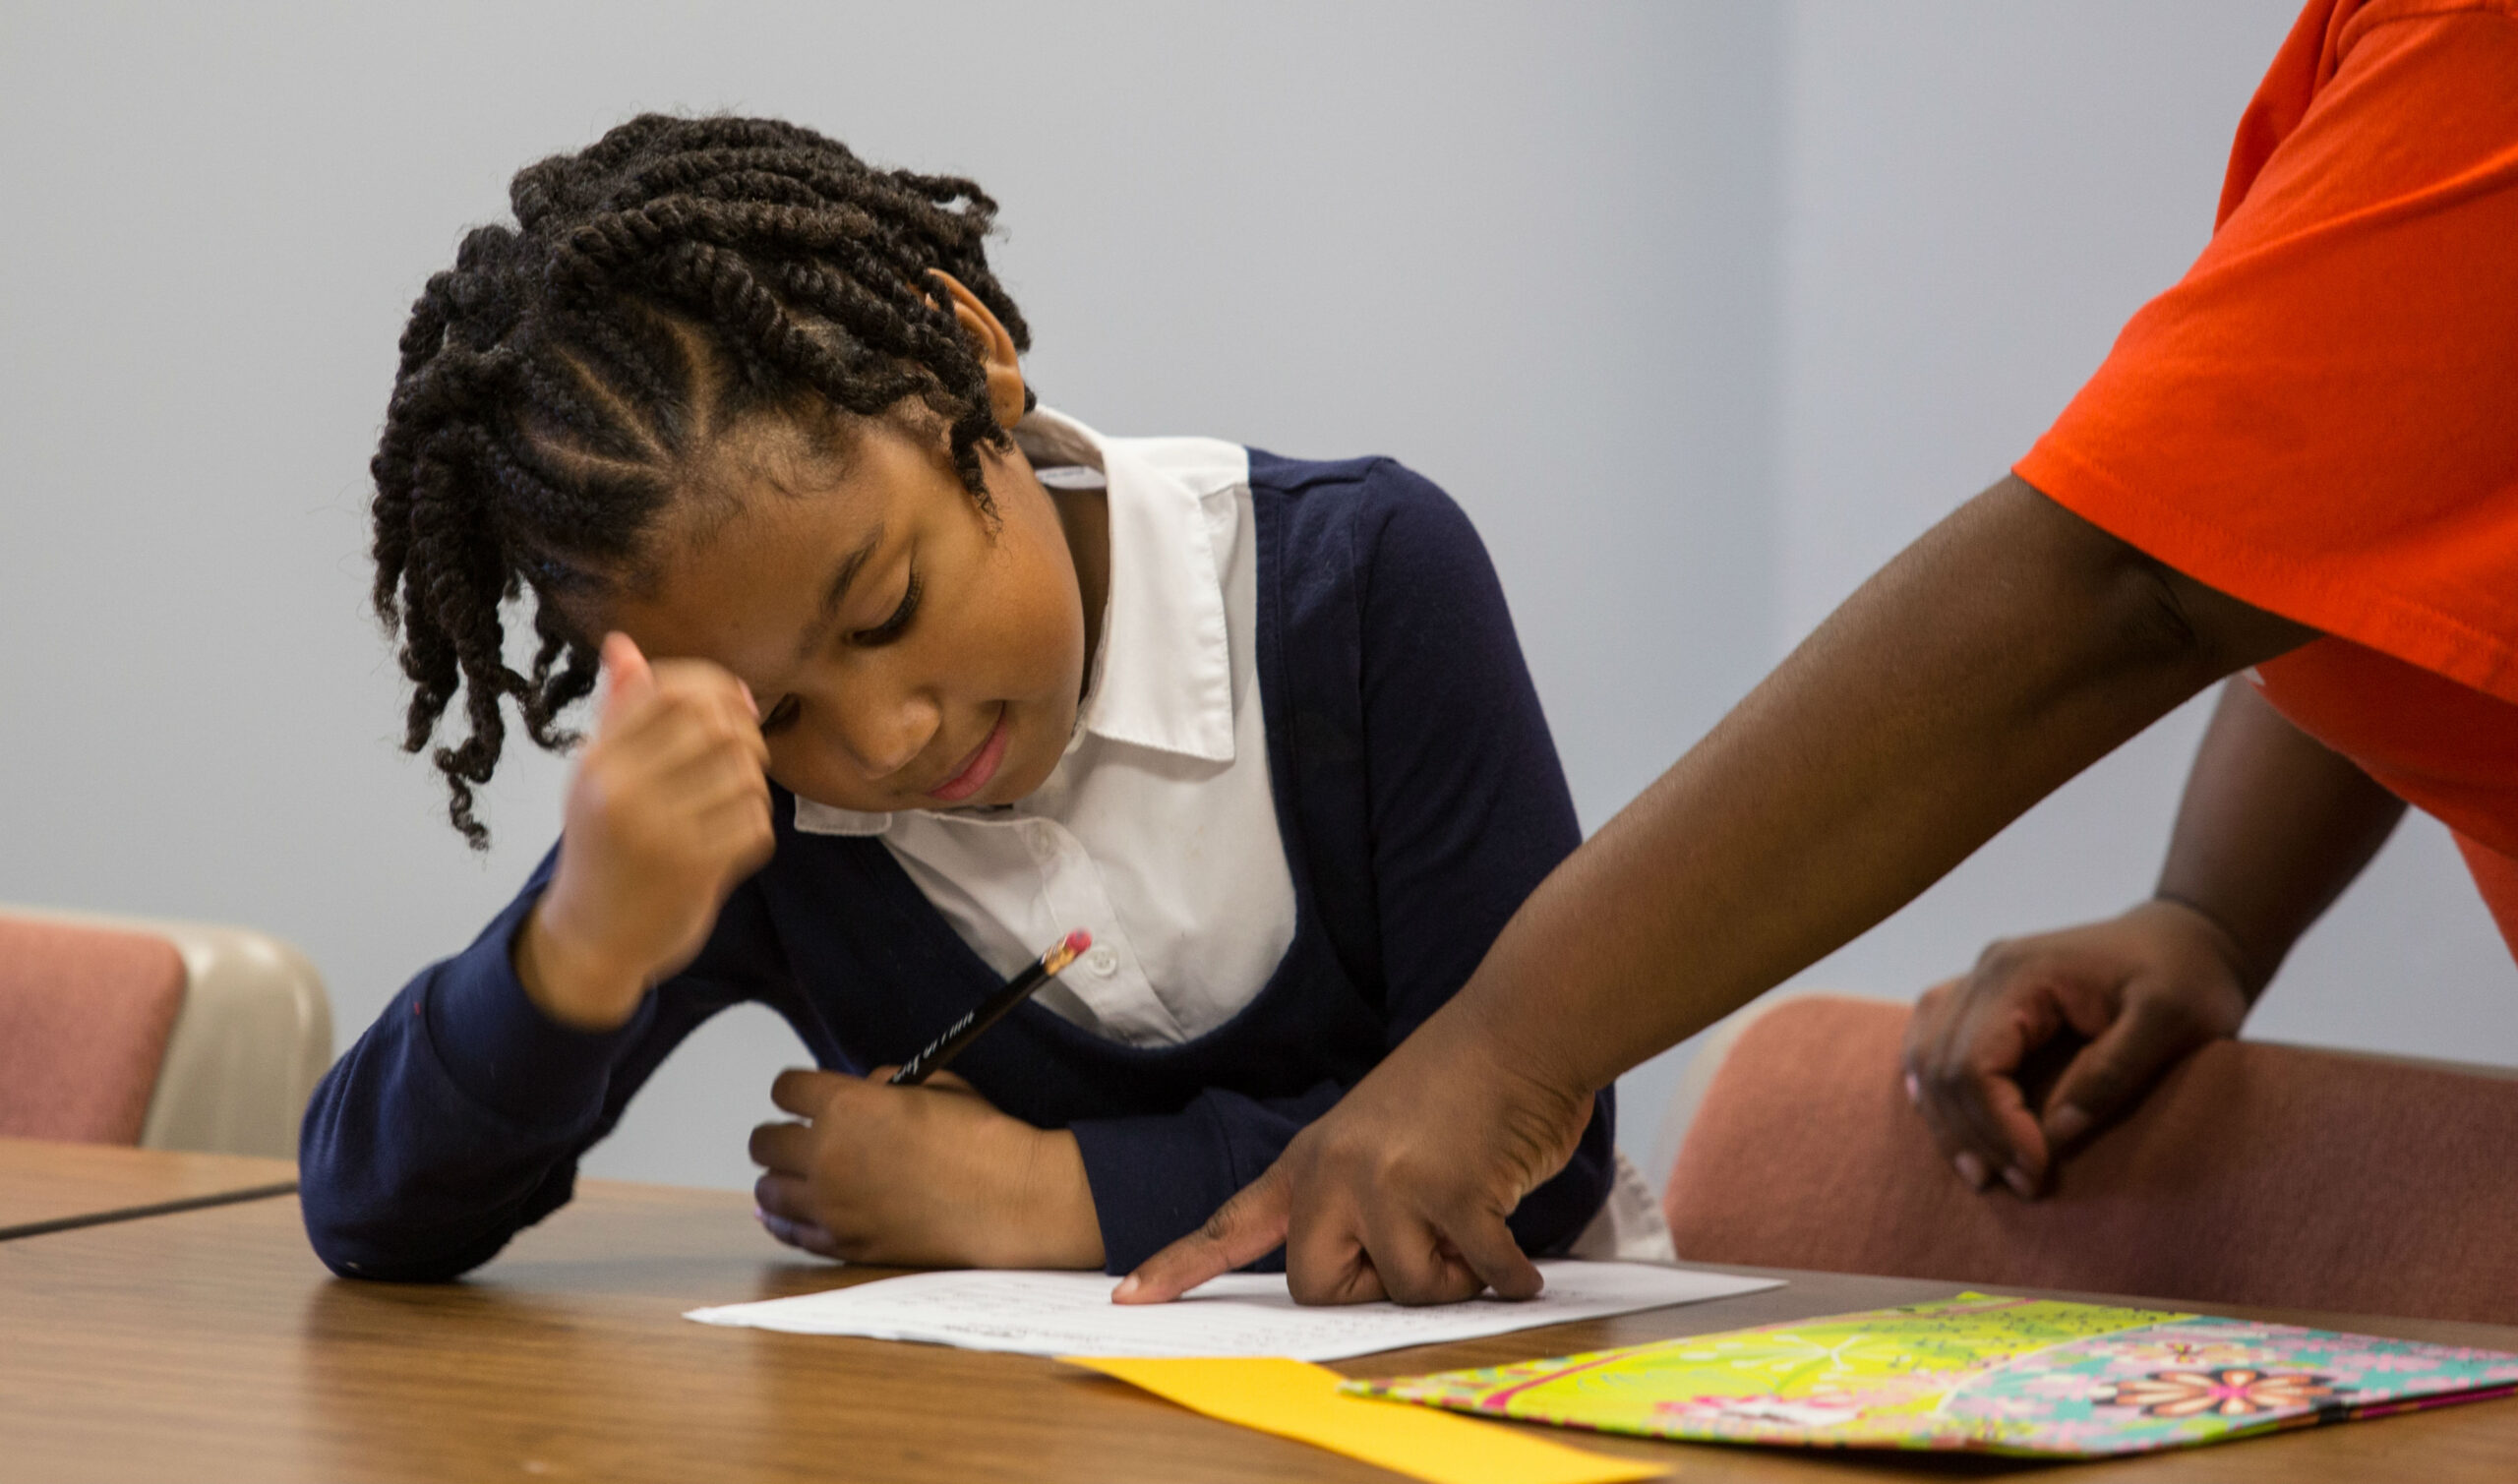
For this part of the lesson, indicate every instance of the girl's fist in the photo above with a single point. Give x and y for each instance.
(667, 812)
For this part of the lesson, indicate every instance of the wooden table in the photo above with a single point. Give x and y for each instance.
(46, 1186)
(210, 1344)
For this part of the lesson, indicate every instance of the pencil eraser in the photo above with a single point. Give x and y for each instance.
(1078, 941)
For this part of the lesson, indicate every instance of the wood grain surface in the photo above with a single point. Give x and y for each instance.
(46, 1186)
(210, 1344)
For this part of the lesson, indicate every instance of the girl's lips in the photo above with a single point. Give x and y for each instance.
(976, 769)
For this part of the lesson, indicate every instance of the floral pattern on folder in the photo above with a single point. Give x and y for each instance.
(1977, 1373)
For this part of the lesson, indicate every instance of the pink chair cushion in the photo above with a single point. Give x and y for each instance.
(83, 1018)
(2253, 1174)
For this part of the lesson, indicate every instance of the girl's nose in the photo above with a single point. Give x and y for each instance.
(886, 736)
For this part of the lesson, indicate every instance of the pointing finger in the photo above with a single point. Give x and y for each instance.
(1243, 1230)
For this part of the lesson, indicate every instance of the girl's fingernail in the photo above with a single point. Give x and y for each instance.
(1970, 1169)
(2068, 1124)
(1914, 1089)
(2020, 1185)
(1127, 1286)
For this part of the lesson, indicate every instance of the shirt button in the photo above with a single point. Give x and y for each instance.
(1102, 961)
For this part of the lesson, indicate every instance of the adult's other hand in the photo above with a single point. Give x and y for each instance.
(2272, 828)
(2142, 990)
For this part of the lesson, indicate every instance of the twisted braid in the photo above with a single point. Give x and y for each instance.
(556, 384)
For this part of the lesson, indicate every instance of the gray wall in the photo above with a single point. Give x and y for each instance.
(1702, 310)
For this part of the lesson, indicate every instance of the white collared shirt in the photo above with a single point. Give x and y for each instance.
(1158, 830)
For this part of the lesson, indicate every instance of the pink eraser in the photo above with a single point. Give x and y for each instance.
(1078, 941)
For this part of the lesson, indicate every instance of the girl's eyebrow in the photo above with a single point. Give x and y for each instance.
(837, 592)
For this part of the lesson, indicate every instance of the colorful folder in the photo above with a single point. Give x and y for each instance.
(1977, 1374)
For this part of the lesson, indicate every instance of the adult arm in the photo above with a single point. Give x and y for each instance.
(2273, 828)
(1465, 810)
(2004, 651)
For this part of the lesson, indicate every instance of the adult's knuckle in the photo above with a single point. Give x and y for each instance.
(2171, 1018)
(2002, 959)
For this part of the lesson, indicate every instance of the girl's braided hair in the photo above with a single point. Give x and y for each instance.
(556, 384)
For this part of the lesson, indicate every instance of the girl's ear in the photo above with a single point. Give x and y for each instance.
(995, 347)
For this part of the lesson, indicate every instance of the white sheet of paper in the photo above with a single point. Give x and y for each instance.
(1239, 1313)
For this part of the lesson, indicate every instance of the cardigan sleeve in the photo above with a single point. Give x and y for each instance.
(1467, 812)
(1470, 807)
(457, 1119)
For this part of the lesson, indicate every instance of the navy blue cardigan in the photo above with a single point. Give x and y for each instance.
(1418, 800)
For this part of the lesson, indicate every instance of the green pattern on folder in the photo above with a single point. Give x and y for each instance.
(1977, 1374)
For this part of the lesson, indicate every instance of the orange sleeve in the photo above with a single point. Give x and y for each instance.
(2322, 418)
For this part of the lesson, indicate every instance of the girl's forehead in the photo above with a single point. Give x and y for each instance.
(746, 566)
(762, 553)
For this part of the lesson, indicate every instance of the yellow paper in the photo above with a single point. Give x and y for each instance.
(1294, 1398)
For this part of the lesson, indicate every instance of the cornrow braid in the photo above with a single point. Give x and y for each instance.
(676, 276)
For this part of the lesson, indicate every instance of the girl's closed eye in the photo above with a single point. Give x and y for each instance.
(782, 713)
(898, 624)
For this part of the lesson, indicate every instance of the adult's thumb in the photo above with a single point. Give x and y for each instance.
(1243, 1230)
(627, 676)
(2110, 1074)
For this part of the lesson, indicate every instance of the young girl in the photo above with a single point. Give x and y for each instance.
(906, 678)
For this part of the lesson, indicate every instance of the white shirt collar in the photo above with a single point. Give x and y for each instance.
(1162, 677)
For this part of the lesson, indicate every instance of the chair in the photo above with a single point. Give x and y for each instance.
(2255, 1173)
(175, 1035)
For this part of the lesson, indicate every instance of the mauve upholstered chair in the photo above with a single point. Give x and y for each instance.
(2255, 1173)
(164, 1035)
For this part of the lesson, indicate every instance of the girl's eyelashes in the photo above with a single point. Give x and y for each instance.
(780, 715)
(892, 627)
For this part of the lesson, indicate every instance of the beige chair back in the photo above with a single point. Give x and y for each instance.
(250, 1035)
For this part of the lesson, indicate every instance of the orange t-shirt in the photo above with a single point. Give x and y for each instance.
(2322, 418)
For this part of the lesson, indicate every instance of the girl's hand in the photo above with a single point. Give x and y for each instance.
(925, 1176)
(2144, 989)
(668, 812)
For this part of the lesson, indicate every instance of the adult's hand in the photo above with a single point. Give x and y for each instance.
(2272, 828)
(1401, 1191)
(2142, 990)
